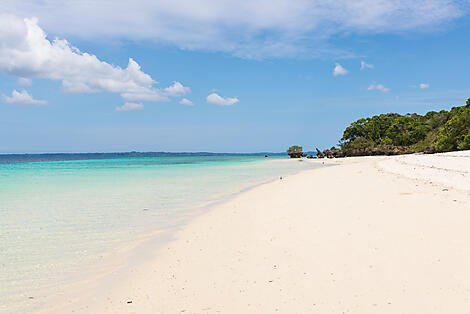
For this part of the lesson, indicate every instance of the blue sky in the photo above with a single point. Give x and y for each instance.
(260, 77)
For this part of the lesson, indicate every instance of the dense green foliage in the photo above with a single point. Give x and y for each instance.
(295, 151)
(393, 133)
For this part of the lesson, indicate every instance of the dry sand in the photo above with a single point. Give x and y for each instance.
(358, 237)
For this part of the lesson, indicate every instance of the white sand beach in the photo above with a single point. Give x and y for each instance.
(368, 235)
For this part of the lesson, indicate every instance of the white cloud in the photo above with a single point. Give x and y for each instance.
(25, 81)
(130, 106)
(215, 99)
(177, 89)
(258, 28)
(339, 70)
(22, 98)
(366, 66)
(152, 95)
(378, 87)
(186, 102)
(424, 85)
(26, 52)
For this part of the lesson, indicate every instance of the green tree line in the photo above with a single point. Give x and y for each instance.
(394, 133)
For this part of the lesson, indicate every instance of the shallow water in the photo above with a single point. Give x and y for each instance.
(57, 216)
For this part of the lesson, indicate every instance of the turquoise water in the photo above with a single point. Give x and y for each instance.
(57, 216)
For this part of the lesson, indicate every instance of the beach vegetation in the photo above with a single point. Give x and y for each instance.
(393, 133)
(295, 151)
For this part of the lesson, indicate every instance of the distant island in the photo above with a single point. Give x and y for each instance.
(395, 134)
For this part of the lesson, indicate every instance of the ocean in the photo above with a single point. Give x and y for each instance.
(58, 216)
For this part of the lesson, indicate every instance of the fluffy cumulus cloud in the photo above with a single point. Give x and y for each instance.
(130, 106)
(186, 102)
(26, 52)
(22, 98)
(424, 85)
(378, 87)
(365, 66)
(216, 99)
(177, 89)
(339, 70)
(258, 28)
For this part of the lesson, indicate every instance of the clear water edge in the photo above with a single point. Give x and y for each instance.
(114, 241)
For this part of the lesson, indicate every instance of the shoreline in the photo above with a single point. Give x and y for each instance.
(294, 245)
(130, 252)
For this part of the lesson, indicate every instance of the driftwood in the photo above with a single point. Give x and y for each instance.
(319, 153)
